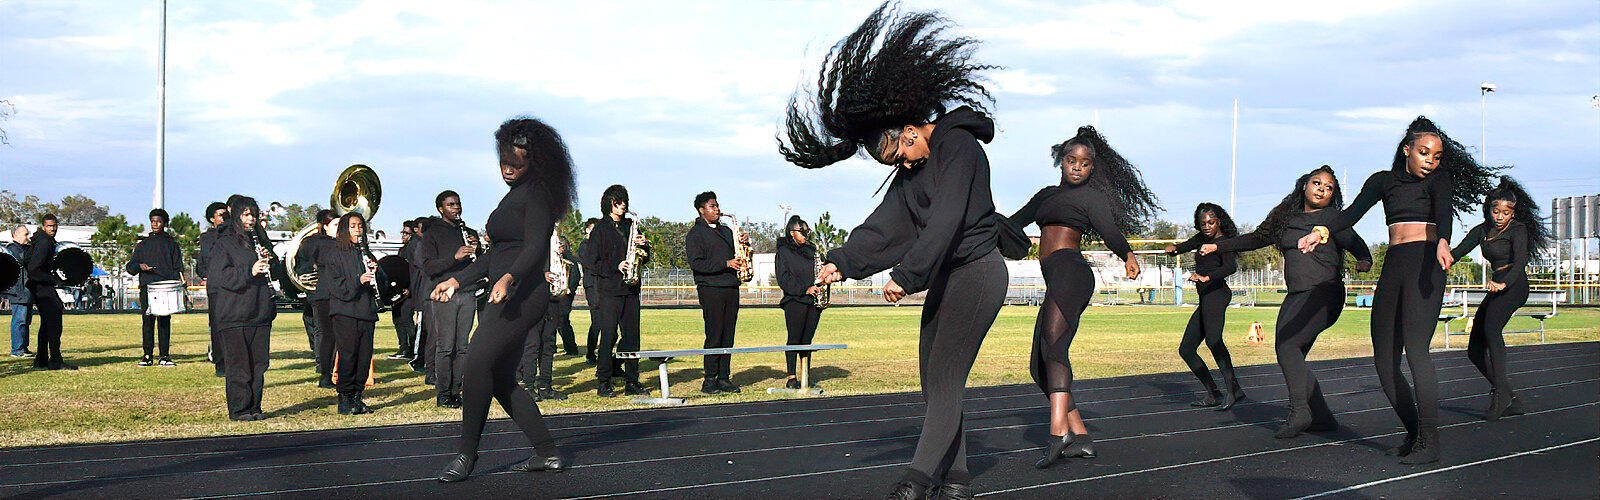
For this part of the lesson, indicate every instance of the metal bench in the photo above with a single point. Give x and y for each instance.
(1469, 298)
(802, 366)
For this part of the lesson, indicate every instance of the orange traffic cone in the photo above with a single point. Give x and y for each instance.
(1255, 336)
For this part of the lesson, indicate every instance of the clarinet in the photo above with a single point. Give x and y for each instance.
(468, 239)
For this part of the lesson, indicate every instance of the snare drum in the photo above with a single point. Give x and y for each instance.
(166, 298)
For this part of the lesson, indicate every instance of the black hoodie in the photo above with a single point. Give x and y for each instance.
(797, 271)
(436, 253)
(41, 264)
(238, 298)
(709, 249)
(162, 254)
(339, 273)
(934, 217)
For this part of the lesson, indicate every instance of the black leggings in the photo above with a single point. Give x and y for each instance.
(619, 331)
(150, 324)
(49, 308)
(491, 370)
(1487, 345)
(1069, 286)
(1303, 316)
(801, 319)
(1206, 324)
(1405, 309)
(719, 308)
(353, 338)
(961, 306)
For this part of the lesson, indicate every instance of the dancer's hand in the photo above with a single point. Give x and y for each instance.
(502, 288)
(1309, 242)
(829, 274)
(1495, 286)
(1207, 248)
(1198, 278)
(445, 290)
(1131, 266)
(1445, 259)
(1171, 249)
(1363, 266)
(892, 291)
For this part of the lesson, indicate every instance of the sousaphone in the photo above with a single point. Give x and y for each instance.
(357, 189)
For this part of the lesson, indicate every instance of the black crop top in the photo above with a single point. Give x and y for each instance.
(1217, 266)
(1304, 271)
(1507, 249)
(1405, 199)
(1077, 207)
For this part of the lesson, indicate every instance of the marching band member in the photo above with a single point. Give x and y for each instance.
(240, 275)
(709, 246)
(156, 258)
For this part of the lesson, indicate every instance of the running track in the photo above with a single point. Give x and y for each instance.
(1151, 444)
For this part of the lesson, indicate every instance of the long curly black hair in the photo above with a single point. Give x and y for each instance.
(1229, 229)
(1295, 202)
(1121, 182)
(914, 74)
(1524, 209)
(545, 154)
(1470, 180)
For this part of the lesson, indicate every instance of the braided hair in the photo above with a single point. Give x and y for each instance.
(1523, 210)
(1133, 203)
(915, 72)
(1272, 227)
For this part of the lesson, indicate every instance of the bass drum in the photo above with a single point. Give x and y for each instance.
(394, 277)
(72, 265)
(10, 271)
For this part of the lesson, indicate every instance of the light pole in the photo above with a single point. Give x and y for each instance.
(1483, 136)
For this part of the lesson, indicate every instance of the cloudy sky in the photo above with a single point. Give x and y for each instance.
(273, 98)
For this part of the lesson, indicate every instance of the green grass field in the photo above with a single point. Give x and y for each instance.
(111, 399)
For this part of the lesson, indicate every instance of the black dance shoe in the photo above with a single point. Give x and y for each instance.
(1231, 398)
(1498, 406)
(635, 389)
(605, 390)
(1426, 449)
(953, 491)
(1299, 420)
(1082, 447)
(710, 386)
(537, 463)
(727, 385)
(458, 469)
(1052, 451)
(1209, 401)
(1404, 448)
(908, 490)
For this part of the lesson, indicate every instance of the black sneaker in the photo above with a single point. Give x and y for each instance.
(792, 384)
(550, 394)
(710, 386)
(727, 385)
(166, 361)
(145, 361)
(636, 389)
(605, 391)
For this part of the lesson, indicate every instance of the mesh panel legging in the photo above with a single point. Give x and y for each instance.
(1487, 345)
(1069, 285)
(491, 370)
(1405, 309)
(961, 306)
(1206, 324)
(1303, 316)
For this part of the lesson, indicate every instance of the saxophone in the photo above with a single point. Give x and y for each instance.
(558, 266)
(741, 251)
(634, 254)
(824, 293)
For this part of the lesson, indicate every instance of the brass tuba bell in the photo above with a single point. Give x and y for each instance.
(357, 189)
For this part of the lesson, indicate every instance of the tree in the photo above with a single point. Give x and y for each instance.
(113, 240)
(15, 211)
(666, 242)
(571, 228)
(187, 232)
(1167, 230)
(763, 236)
(294, 217)
(73, 210)
(828, 236)
(1267, 257)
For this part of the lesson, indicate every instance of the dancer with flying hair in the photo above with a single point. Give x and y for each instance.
(1101, 196)
(1430, 179)
(1509, 235)
(888, 88)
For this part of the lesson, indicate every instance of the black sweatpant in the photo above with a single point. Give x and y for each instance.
(353, 338)
(961, 306)
(247, 349)
(594, 327)
(562, 309)
(452, 324)
(47, 305)
(491, 371)
(619, 330)
(1486, 346)
(326, 344)
(308, 316)
(539, 352)
(719, 307)
(216, 337)
(1405, 309)
(150, 324)
(1206, 324)
(405, 326)
(1069, 284)
(801, 320)
(1303, 316)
